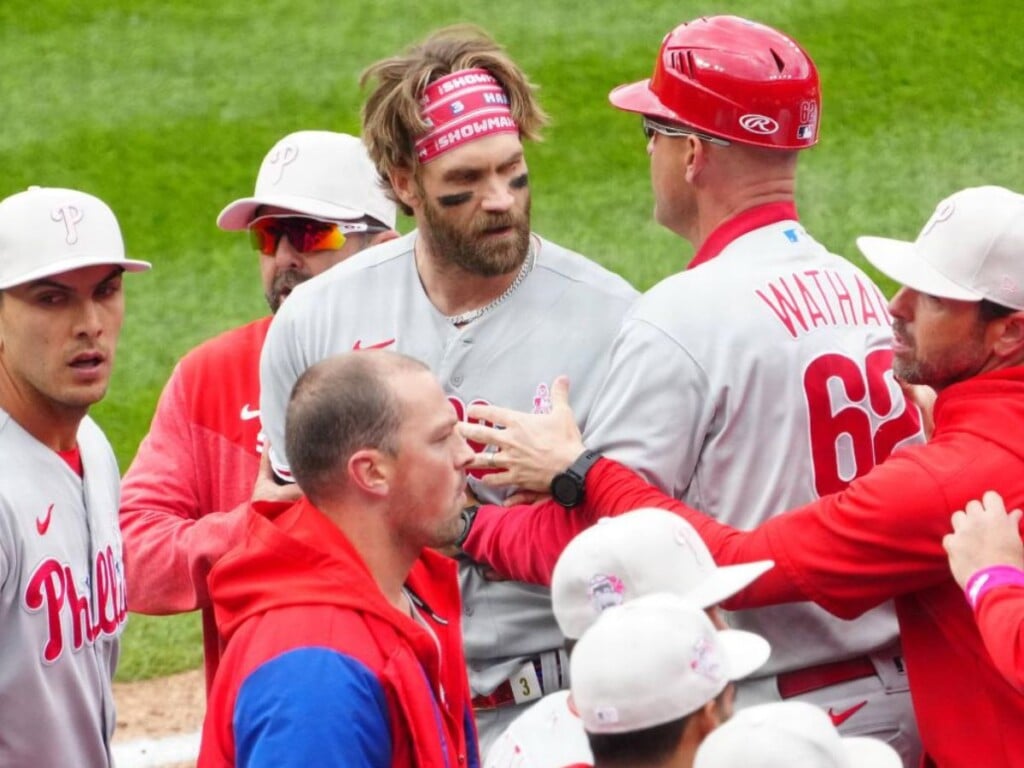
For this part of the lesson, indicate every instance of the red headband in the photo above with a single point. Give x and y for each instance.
(460, 107)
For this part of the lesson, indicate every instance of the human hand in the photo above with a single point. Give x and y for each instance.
(526, 449)
(983, 535)
(266, 487)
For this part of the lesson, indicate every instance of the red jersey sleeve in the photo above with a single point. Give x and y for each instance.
(524, 542)
(848, 552)
(1000, 617)
(169, 543)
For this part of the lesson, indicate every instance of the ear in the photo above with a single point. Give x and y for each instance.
(706, 719)
(403, 182)
(1006, 335)
(371, 471)
(695, 158)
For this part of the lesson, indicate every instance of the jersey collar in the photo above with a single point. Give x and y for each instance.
(739, 225)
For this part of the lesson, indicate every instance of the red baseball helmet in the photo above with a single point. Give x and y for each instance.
(732, 78)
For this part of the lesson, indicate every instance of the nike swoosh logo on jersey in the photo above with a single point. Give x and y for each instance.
(838, 718)
(248, 413)
(44, 525)
(379, 345)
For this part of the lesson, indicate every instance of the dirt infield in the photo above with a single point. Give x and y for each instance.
(167, 706)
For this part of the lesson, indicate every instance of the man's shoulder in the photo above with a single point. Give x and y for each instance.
(384, 258)
(233, 353)
(232, 342)
(772, 266)
(380, 267)
(295, 628)
(585, 272)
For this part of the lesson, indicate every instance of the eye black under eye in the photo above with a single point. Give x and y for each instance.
(520, 182)
(450, 201)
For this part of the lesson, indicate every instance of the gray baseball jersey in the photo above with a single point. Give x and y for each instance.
(62, 600)
(561, 319)
(755, 383)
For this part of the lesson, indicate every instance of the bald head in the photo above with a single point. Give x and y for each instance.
(341, 405)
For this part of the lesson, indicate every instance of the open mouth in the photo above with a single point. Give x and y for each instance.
(87, 361)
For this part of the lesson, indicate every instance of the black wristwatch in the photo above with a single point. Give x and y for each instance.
(468, 515)
(567, 486)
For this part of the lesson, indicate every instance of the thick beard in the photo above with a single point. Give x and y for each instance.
(469, 251)
(284, 283)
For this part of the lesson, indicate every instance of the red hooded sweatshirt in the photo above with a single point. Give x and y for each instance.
(319, 668)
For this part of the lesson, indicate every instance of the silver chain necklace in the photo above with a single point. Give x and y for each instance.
(467, 317)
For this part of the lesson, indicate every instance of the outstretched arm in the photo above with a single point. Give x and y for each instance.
(524, 542)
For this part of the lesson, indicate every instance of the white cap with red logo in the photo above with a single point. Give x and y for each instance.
(45, 231)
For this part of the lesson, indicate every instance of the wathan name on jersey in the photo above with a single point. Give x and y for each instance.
(813, 298)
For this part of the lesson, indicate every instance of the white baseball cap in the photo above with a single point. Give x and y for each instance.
(315, 173)
(653, 660)
(972, 248)
(789, 734)
(637, 553)
(45, 231)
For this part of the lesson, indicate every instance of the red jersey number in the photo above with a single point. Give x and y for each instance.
(847, 430)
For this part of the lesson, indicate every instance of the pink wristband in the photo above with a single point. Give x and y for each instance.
(990, 578)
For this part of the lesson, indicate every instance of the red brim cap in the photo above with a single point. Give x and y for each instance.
(638, 97)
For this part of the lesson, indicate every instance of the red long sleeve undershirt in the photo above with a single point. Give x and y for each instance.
(525, 541)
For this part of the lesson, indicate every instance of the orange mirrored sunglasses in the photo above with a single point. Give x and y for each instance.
(305, 233)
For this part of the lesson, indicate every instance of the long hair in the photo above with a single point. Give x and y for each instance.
(392, 117)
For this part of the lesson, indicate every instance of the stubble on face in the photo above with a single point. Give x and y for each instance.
(283, 284)
(940, 367)
(476, 248)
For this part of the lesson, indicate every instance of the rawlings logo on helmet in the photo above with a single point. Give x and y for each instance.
(759, 124)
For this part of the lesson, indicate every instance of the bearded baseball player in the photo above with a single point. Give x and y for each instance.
(760, 378)
(495, 310)
(62, 587)
(184, 500)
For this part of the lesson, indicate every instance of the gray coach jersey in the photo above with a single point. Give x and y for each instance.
(561, 319)
(753, 384)
(62, 600)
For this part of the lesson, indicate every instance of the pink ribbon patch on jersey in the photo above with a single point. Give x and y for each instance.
(461, 107)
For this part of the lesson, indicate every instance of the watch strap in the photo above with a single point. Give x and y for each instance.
(468, 516)
(583, 463)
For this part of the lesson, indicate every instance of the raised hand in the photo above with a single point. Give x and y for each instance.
(983, 535)
(526, 449)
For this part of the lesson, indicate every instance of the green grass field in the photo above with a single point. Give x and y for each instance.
(165, 110)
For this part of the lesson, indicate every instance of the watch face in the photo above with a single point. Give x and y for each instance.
(565, 490)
